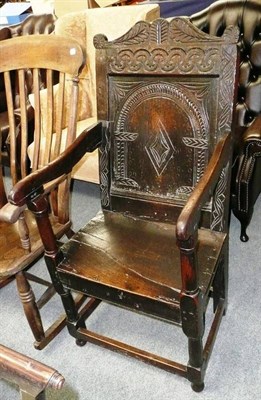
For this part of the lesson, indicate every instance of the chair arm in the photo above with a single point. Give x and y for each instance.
(32, 185)
(11, 213)
(189, 218)
(31, 376)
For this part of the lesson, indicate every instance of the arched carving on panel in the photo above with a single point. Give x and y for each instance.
(159, 148)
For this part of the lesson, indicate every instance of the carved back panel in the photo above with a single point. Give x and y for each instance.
(166, 91)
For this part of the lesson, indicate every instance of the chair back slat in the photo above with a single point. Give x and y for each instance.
(12, 126)
(49, 118)
(59, 117)
(3, 198)
(37, 119)
(24, 123)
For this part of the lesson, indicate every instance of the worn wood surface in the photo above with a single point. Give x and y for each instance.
(135, 257)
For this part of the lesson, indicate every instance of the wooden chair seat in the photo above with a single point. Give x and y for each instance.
(109, 249)
(13, 256)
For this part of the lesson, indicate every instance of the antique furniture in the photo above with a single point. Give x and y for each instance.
(246, 15)
(31, 376)
(20, 244)
(160, 244)
(34, 24)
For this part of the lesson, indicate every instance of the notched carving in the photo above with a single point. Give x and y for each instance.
(194, 60)
(159, 31)
(219, 201)
(104, 170)
(196, 143)
(231, 34)
(181, 31)
(120, 89)
(139, 33)
(226, 90)
(184, 190)
(128, 182)
(161, 150)
(125, 136)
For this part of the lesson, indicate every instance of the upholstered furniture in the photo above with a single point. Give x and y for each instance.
(33, 24)
(159, 246)
(83, 26)
(53, 58)
(31, 376)
(246, 15)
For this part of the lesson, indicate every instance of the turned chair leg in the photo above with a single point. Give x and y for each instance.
(30, 308)
(195, 363)
(24, 233)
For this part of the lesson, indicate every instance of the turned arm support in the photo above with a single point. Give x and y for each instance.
(33, 185)
(30, 375)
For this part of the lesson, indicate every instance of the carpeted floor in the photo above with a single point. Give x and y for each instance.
(93, 373)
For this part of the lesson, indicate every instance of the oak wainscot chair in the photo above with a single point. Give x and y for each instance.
(159, 246)
(48, 58)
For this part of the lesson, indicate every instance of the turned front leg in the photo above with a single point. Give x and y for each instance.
(192, 313)
(53, 255)
(30, 307)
